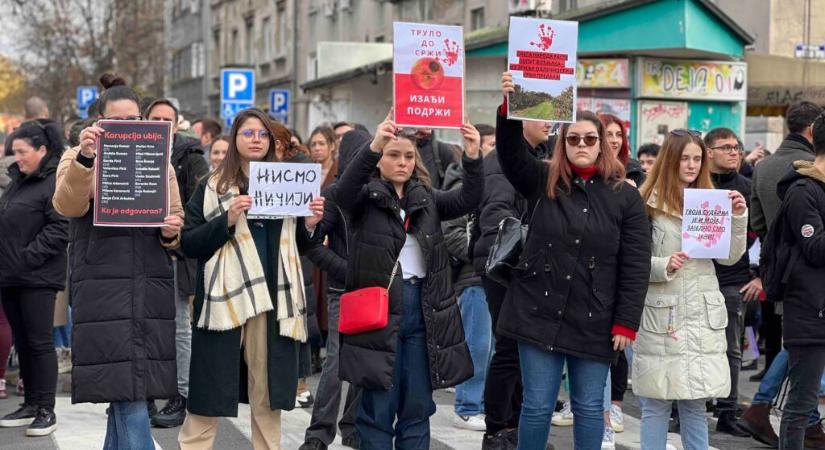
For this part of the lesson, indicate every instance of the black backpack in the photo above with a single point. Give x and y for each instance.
(777, 257)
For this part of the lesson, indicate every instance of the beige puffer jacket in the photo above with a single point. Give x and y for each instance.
(680, 347)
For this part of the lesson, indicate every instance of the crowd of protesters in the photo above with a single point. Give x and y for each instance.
(216, 308)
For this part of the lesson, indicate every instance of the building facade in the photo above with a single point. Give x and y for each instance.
(187, 56)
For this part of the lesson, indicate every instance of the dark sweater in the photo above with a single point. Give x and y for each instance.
(739, 273)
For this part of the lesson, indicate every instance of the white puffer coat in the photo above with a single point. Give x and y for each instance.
(680, 347)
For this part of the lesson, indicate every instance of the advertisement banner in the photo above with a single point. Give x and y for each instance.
(428, 65)
(698, 80)
(542, 59)
(603, 73)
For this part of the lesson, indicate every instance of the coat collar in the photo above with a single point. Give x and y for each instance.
(383, 192)
(651, 203)
(807, 168)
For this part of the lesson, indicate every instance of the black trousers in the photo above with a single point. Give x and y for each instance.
(30, 312)
(805, 366)
(502, 388)
(618, 379)
(733, 334)
(771, 330)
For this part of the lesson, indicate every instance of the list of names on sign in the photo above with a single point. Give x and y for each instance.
(132, 179)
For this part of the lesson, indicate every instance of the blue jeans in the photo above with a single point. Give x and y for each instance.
(128, 427)
(478, 330)
(693, 423)
(541, 375)
(63, 333)
(772, 383)
(411, 398)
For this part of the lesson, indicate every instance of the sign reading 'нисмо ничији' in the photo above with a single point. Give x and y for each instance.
(706, 223)
(132, 173)
(541, 57)
(283, 189)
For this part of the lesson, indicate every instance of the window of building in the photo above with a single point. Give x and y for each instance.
(249, 38)
(233, 50)
(477, 18)
(216, 49)
(269, 37)
(280, 40)
(194, 5)
(312, 66)
(198, 58)
(379, 38)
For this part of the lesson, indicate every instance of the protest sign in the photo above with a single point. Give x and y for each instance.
(282, 189)
(428, 61)
(132, 173)
(706, 223)
(542, 59)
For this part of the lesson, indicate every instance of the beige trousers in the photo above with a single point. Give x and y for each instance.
(198, 432)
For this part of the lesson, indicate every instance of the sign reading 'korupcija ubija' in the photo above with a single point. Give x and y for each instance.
(132, 173)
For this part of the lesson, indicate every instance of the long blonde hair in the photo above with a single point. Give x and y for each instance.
(663, 178)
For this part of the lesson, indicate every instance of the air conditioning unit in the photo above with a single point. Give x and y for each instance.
(328, 8)
(527, 6)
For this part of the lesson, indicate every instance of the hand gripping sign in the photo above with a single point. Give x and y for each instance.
(428, 61)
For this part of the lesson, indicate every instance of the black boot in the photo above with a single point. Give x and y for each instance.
(172, 414)
(727, 424)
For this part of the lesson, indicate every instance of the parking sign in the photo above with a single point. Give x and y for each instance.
(86, 95)
(279, 105)
(237, 92)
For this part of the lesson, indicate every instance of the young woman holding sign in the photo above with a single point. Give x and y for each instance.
(249, 305)
(396, 218)
(679, 353)
(577, 291)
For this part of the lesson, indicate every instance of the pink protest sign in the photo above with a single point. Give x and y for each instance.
(706, 224)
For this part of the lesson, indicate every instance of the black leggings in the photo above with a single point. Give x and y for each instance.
(30, 312)
(618, 379)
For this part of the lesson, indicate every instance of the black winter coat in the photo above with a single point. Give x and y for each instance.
(457, 237)
(500, 201)
(586, 265)
(738, 274)
(34, 235)
(368, 359)
(190, 167)
(803, 189)
(436, 156)
(336, 225)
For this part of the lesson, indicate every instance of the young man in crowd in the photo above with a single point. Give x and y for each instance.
(734, 281)
(207, 130)
(647, 155)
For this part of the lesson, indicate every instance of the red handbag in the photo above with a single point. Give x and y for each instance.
(365, 309)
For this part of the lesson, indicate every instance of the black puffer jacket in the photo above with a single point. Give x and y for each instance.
(436, 156)
(803, 189)
(738, 274)
(500, 201)
(634, 172)
(190, 168)
(33, 246)
(336, 224)
(368, 359)
(584, 273)
(457, 237)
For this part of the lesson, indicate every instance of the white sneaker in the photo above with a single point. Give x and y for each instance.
(64, 360)
(474, 423)
(304, 400)
(608, 439)
(616, 418)
(563, 418)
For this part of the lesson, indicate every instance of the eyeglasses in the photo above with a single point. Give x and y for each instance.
(681, 132)
(727, 148)
(589, 140)
(249, 134)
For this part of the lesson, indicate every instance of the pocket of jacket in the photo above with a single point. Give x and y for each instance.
(717, 312)
(660, 314)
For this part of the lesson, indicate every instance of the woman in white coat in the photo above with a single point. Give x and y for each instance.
(680, 347)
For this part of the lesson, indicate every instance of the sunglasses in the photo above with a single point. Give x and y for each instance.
(249, 134)
(574, 141)
(681, 132)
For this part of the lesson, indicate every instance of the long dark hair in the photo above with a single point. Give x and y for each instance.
(37, 133)
(230, 173)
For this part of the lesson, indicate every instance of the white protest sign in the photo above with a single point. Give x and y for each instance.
(283, 189)
(706, 224)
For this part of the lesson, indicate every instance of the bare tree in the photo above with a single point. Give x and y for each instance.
(67, 43)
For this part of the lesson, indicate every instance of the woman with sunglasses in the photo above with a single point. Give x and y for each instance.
(122, 290)
(396, 221)
(577, 292)
(680, 351)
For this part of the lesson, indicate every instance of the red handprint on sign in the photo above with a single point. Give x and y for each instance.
(451, 49)
(546, 34)
(711, 226)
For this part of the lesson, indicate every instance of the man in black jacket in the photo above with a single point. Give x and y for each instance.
(802, 228)
(437, 156)
(336, 227)
(190, 166)
(502, 389)
(734, 281)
